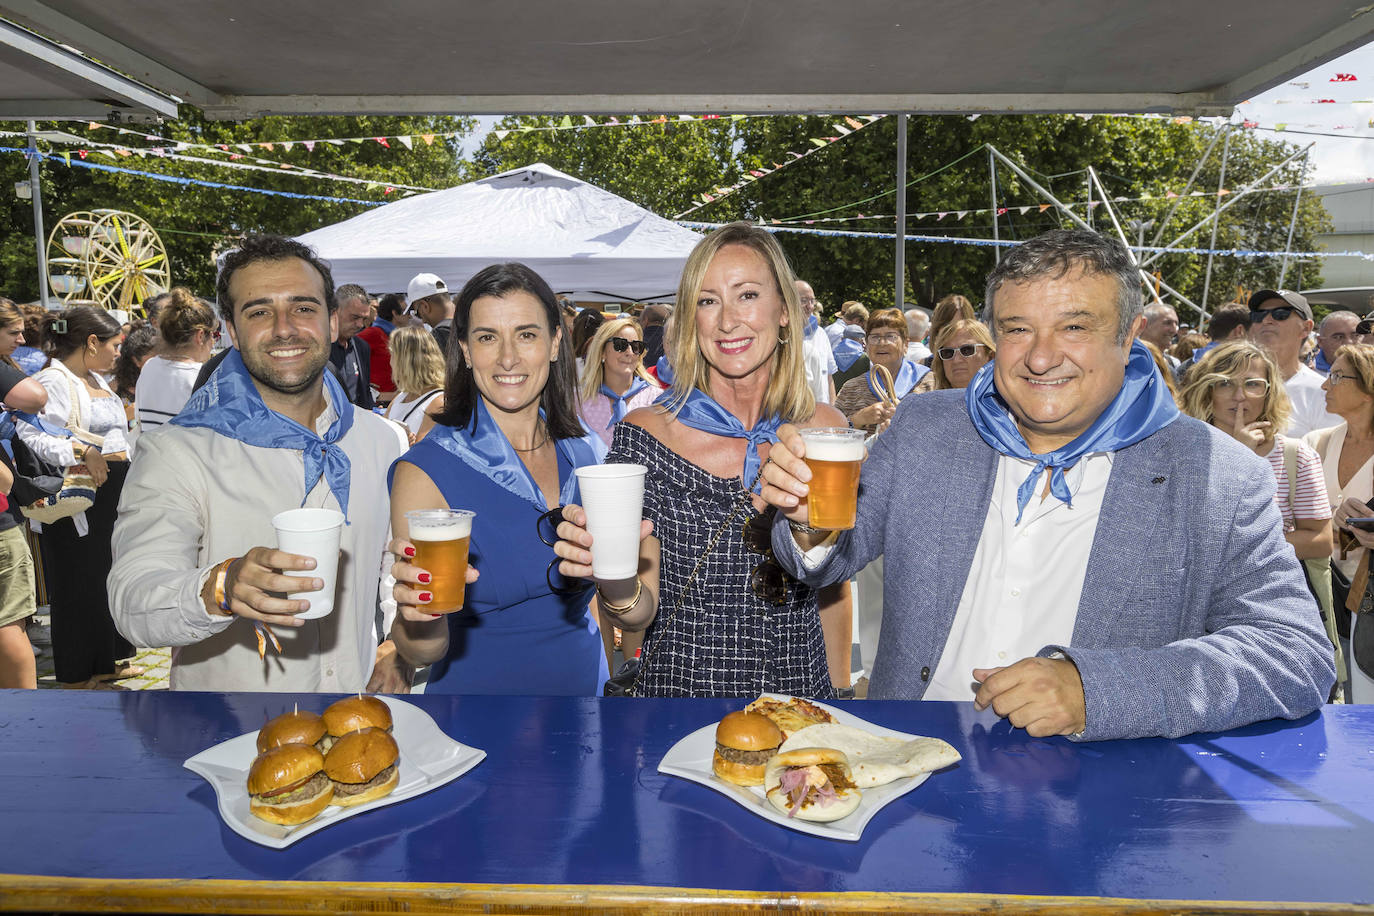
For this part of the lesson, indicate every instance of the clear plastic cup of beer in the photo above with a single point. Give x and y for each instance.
(834, 454)
(441, 538)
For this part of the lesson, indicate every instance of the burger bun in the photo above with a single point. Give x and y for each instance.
(299, 727)
(279, 768)
(752, 737)
(848, 798)
(355, 713)
(359, 758)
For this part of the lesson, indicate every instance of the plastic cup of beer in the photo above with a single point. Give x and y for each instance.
(441, 539)
(613, 498)
(834, 455)
(313, 533)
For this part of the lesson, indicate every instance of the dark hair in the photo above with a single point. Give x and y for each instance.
(68, 330)
(351, 291)
(584, 328)
(559, 399)
(1055, 253)
(390, 305)
(183, 315)
(153, 305)
(1226, 319)
(255, 248)
(138, 343)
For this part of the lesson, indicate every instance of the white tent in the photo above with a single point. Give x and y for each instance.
(578, 237)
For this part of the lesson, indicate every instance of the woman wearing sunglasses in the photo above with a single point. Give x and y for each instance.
(189, 328)
(615, 383)
(721, 618)
(868, 400)
(960, 349)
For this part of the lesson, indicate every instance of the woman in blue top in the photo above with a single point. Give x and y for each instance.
(505, 447)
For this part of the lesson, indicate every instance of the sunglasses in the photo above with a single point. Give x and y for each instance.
(965, 351)
(620, 344)
(768, 580)
(1278, 314)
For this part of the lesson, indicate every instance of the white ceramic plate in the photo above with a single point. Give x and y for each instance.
(690, 758)
(429, 758)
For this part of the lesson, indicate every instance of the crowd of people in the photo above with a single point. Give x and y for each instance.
(1073, 510)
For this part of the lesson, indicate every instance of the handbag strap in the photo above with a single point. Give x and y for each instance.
(421, 401)
(711, 545)
(74, 416)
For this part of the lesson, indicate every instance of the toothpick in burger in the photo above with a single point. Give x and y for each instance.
(353, 714)
(287, 784)
(744, 742)
(812, 783)
(363, 766)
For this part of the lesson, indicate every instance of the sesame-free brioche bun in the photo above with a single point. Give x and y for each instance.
(353, 714)
(363, 766)
(299, 727)
(744, 742)
(287, 785)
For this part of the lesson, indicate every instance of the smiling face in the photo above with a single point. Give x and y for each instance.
(886, 346)
(739, 313)
(282, 326)
(1242, 397)
(1058, 363)
(11, 337)
(959, 369)
(621, 365)
(510, 349)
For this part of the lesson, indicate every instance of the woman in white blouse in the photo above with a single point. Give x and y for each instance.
(1347, 452)
(83, 343)
(417, 368)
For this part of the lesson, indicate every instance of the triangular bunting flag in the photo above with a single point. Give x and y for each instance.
(500, 134)
(587, 120)
(287, 144)
(382, 141)
(405, 141)
(337, 142)
(1024, 210)
(309, 146)
(566, 122)
(428, 138)
(67, 158)
(852, 123)
(267, 146)
(817, 143)
(91, 125)
(961, 214)
(1044, 207)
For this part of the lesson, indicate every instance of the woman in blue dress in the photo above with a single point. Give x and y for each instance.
(505, 447)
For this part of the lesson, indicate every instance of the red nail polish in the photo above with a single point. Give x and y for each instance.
(423, 577)
(410, 551)
(425, 596)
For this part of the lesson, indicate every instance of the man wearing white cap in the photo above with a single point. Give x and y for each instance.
(1280, 321)
(428, 297)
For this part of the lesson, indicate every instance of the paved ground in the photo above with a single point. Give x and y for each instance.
(156, 662)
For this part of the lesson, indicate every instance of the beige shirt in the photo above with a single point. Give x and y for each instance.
(194, 498)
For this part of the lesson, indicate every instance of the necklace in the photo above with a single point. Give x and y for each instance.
(534, 448)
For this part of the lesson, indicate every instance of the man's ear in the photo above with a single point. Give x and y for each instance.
(334, 325)
(233, 334)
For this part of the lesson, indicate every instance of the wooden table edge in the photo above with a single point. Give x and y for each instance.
(98, 895)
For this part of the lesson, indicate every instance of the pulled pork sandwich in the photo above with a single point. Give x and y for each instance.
(298, 727)
(362, 766)
(287, 784)
(812, 783)
(744, 742)
(353, 714)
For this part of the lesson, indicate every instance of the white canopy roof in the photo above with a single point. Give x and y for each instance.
(578, 237)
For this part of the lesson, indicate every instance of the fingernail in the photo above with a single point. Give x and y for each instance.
(423, 577)
(435, 616)
(425, 597)
(410, 551)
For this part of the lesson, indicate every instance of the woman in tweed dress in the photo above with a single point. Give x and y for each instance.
(737, 627)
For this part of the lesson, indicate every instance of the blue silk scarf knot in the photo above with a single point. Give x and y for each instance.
(620, 402)
(1140, 409)
(483, 447)
(906, 379)
(699, 411)
(812, 323)
(230, 404)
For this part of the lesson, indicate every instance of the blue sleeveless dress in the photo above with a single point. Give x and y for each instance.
(515, 635)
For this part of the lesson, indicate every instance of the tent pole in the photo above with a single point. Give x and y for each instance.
(1292, 222)
(38, 233)
(1120, 233)
(1221, 184)
(1182, 195)
(900, 292)
(996, 230)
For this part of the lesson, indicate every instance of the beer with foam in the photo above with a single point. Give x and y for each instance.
(834, 455)
(441, 538)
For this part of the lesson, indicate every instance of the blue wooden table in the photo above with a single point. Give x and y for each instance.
(568, 811)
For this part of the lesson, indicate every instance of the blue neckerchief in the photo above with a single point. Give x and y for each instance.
(847, 353)
(483, 447)
(385, 325)
(906, 379)
(1202, 351)
(812, 323)
(620, 402)
(699, 411)
(1320, 364)
(664, 370)
(229, 404)
(1141, 408)
(42, 425)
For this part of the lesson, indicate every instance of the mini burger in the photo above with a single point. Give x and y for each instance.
(362, 766)
(812, 783)
(299, 727)
(744, 742)
(353, 714)
(287, 784)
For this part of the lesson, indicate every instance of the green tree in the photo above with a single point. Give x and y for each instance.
(194, 222)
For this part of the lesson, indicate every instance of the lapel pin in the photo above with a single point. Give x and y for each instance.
(1158, 480)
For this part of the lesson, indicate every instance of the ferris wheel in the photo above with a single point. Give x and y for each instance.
(106, 258)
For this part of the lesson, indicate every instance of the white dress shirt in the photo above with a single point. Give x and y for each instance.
(1304, 389)
(1023, 588)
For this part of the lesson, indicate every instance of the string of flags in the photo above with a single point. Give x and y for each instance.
(848, 127)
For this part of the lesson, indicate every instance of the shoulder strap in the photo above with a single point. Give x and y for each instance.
(421, 401)
(74, 415)
(1290, 467)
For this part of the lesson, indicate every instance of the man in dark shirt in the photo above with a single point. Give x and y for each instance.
(349, 353)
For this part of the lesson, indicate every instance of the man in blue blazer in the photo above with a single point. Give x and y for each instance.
(1060, 543)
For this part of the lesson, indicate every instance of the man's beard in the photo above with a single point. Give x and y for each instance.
(260, 368)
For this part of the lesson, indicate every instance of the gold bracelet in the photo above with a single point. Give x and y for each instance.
(621, 609)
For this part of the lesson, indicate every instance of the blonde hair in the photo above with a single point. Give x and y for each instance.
(975, 328)
(788, 395)
(417, 365)
(9, 314)
(1224, 361)
(595, 371)
(1166, 371)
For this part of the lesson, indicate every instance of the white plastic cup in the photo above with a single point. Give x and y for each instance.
(613, 498)
(313, 533)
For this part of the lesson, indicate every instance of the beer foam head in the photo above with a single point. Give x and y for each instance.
(834, 447)
(439, 526)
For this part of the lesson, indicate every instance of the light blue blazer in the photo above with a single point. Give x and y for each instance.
(1195, 615)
